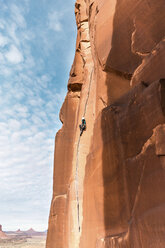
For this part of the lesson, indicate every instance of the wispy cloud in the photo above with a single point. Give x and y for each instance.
(54, 21)
(17, 15)
(14, 55)
(3, 40)
(34, 68)
(30, 101)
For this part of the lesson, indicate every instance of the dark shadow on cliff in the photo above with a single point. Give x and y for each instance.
(127, 124)
(120, 64)
(121, 59)
(128, 159)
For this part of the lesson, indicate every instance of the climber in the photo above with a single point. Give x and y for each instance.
(82, 126)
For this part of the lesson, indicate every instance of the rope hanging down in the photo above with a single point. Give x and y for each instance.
(77, 155)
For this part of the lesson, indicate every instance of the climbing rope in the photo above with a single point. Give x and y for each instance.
(90, 82)
(77, 155)
(77, 194)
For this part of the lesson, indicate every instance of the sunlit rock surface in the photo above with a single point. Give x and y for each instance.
(109, 183)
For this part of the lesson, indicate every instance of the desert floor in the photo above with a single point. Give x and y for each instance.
(34, 242)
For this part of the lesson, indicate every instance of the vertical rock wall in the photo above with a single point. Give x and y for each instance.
(109, 183)
(66, 215)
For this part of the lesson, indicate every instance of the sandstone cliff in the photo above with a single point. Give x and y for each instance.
(109, 183)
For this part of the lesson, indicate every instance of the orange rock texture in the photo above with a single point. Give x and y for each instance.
(109, 183)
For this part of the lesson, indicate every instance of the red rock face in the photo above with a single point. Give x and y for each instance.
(109, 183)
(119, 191)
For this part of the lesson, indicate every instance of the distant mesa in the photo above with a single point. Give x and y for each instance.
(19, 237)
(31, 231)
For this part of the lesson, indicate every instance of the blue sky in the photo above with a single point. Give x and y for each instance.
(37, 43)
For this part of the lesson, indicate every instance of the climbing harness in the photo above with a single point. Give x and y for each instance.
(82, 126)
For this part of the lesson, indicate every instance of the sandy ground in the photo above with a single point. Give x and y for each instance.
(34, 242)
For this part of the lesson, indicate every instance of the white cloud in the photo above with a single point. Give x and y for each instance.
(11, 30)
(54, 21)
(2, 26)
(26, 148)
(14, 55)
(3, 69)
(1, 58)
(30, 99)
(3, 40)
(17, 15)
(14, 124)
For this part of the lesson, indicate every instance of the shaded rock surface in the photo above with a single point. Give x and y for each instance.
(109, 183)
